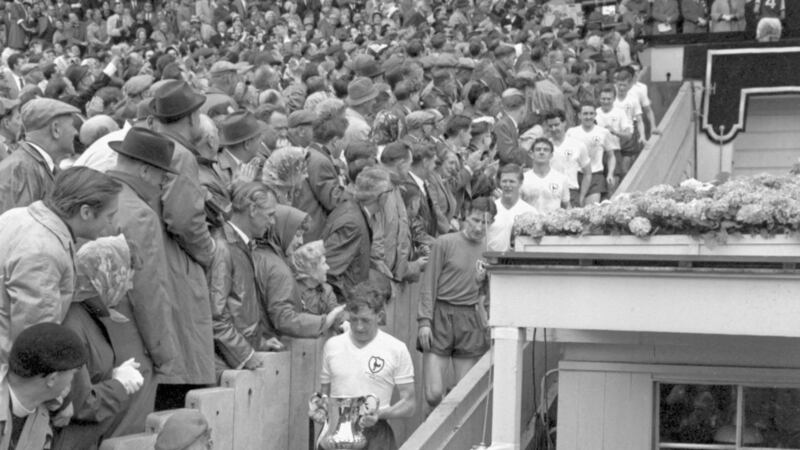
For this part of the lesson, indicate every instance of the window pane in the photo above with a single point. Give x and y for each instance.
(772, 418)
(697, 413)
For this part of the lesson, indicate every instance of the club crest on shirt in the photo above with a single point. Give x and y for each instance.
(376, 364)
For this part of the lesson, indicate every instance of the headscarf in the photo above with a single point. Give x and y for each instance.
(104, 269)
(287, 222)
(306, 259)
(386, 128)
(285, 171)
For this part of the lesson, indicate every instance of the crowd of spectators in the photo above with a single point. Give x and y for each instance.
(186, 184)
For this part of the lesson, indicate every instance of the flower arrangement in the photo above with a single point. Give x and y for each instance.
(763, 205)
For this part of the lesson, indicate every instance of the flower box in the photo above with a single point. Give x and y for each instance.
(675, 245)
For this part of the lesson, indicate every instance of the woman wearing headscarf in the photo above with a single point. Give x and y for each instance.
(280, 294)
(311, 271)
(100, 391)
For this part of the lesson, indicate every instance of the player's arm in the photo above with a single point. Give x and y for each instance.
(640, 128)
(651, 117)
(402, 408)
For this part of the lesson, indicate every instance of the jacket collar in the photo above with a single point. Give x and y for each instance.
(33, 153)
(148, 193)
(52, 222)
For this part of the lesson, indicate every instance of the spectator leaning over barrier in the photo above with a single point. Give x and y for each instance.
(236, 307)
(37, 244)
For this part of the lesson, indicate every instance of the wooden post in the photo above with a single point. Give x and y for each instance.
(507, 388)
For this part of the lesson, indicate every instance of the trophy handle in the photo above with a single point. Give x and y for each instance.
(370, 404)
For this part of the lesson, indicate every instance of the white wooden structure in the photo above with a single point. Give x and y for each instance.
(629, 321)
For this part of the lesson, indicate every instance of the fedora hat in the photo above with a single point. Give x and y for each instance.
(240, 126)
(146, 146)
(360, 90)
(175, 99)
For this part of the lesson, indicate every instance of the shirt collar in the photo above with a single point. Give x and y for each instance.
(47, 158)
(420, 182)
(17, 408)
(241, 234)
(235, 159)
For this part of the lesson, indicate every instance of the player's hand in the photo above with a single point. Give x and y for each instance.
(425, 336)
(317, 410)
(368, 420)
(611, 181)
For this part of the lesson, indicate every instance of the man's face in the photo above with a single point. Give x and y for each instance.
(280, 123)
(475, 225)
(464, 136)
(14, 122)
(64, 133)
(450, 164)
(555, 127)
(364, 325)
(100, 223)
(587, 116)
(302, 135)
(541, 152)
(263, 215)
(509, 184)
(118, 8)
(623, 84)
(606, 100)
(60, 383)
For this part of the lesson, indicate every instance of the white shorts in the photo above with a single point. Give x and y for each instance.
(769, 29)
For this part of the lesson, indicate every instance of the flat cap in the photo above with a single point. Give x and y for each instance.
(302, 117)
(138, 84)
(6, 105)
(37, 113)
(417, 118)
(181, 429)
(222, 67)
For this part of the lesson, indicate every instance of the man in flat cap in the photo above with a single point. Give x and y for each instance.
(29, 173)
(134, 89)
(175, 113)
(419, 127)
(301, 132)
(495, 73)
(222, 84)
(43, 361)
(10, 126)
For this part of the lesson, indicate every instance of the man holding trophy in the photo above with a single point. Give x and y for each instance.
(361, 368)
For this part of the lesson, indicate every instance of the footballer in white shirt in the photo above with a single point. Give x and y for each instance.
(569, 157)
(543, 187)
(601, 145)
